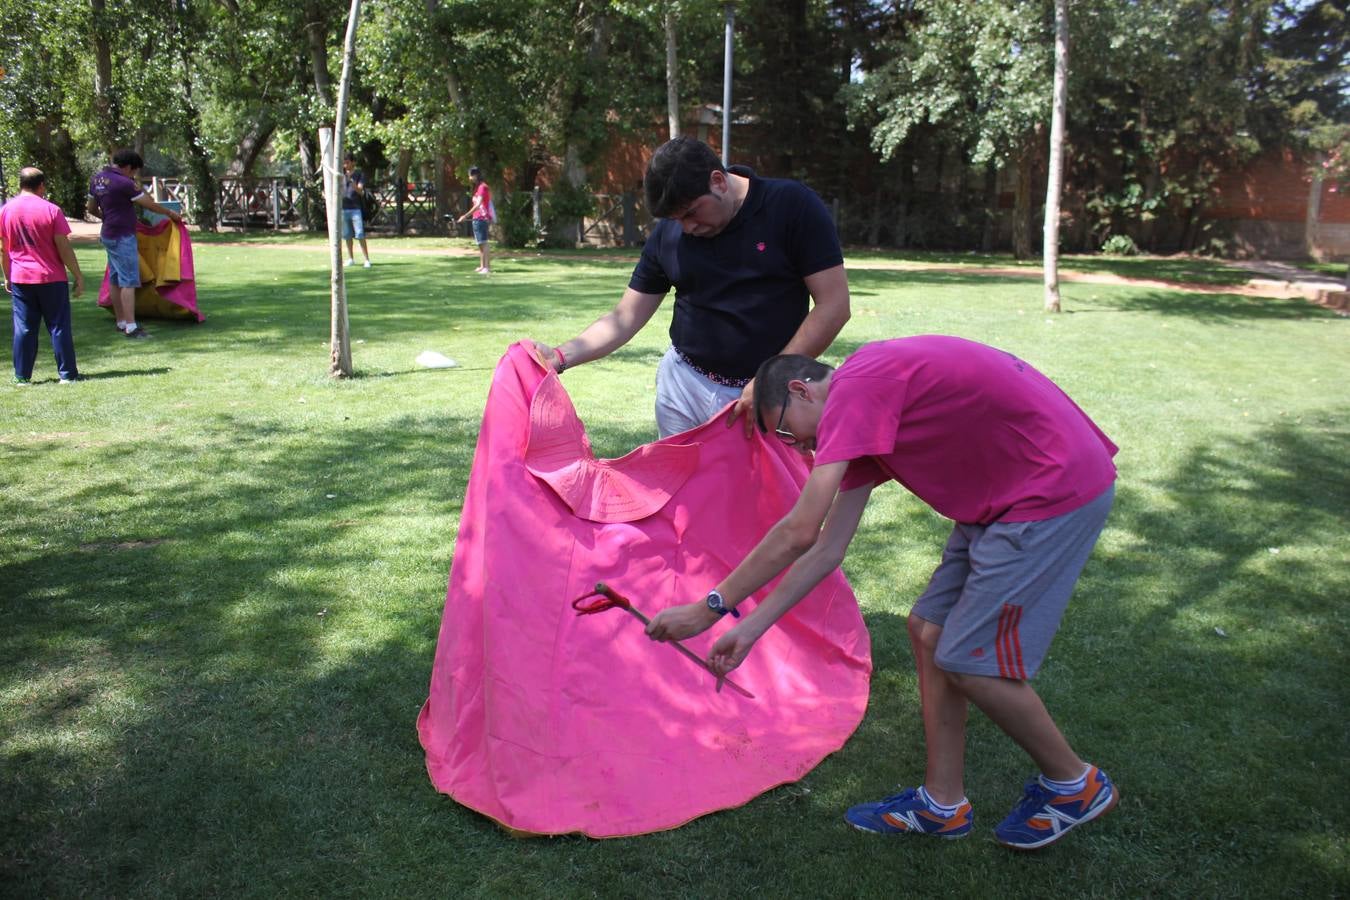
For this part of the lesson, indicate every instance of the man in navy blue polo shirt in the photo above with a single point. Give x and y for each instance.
(746, 256)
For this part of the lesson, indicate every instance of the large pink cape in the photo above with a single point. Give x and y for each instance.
(168, 278)
(549, 722)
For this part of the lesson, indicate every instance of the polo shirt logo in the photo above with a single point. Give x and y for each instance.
(760, 246)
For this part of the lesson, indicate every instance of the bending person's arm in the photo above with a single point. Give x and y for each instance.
(607, 333)
(795, 537)
(826, 555)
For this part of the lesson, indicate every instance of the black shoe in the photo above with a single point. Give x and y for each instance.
(138, 334)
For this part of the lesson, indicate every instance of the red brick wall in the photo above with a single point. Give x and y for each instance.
(1275, 188)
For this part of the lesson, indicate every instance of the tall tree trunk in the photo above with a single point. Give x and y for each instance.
(339, 345)
(204, 183)
(401, 188)
(106, 108)
(1021, 232)
(252, 144)
(452, 86)
(1055, 175)
(989, 232)
(672, 74)
(906, 171)
(1312, 219)
(316, 40)
(67, 187)
(311, 207)
(580, 150)
(203, 210)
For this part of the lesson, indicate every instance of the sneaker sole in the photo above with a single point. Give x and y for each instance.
(898, 832)
(1095, 814)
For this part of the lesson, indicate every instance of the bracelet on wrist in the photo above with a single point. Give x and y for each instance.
(562, 360)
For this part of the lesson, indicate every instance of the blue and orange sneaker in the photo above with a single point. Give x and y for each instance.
(1042, 817)
(908, 813)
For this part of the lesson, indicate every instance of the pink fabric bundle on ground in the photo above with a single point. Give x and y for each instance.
(168, 281)
(549, 722)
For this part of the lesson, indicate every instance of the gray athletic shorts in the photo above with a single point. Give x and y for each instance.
(684, 398)
(1001, 589)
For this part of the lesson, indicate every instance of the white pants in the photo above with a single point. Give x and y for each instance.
(684, 398)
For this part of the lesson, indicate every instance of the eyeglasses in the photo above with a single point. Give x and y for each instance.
(784, 435)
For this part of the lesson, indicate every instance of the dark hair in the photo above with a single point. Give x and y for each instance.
(771, 381)
(31, 178)
(475, 173)
(347, 157)
(127, 157)
(678, 175)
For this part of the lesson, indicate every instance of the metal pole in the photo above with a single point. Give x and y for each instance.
(726, 85)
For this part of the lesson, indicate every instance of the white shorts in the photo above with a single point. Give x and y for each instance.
(684, 398)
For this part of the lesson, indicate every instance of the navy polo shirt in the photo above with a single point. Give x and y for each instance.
(739, 295)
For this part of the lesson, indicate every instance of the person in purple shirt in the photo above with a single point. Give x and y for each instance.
(1028, 480)
(114, 194)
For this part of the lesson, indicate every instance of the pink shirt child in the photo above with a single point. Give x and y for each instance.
(28, 224)
(484, 192)
(973, 431)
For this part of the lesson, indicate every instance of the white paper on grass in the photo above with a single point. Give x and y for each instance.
(430, 359)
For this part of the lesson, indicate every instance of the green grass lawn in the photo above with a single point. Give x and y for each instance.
(223, 576)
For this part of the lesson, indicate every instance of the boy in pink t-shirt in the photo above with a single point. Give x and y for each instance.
(1027, 479)
(481, 212)
(35, 254)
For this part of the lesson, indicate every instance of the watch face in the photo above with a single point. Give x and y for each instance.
(715, 602)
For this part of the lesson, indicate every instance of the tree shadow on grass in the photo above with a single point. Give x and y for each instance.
(873, 280)
(187, 722)
(398, 304)
(1217, 617)
(123, 373)
(1204, 308)
(192, 688)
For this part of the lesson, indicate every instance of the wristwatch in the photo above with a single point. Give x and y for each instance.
(719, 605)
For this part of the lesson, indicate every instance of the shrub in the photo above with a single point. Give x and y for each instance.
(515, 221)
(1120, 245)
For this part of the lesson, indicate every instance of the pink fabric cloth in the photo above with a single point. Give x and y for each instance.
(549, 722)
(28, 226)
(178, 296)
(971, 430)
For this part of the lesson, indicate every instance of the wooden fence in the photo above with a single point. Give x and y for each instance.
(279, 204)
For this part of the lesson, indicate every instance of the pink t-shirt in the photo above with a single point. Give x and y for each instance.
(973, 431)
(486, 193)
(28, 226)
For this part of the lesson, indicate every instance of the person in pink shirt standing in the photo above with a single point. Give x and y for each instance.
(1028, 480)
(35, 254)
(114, 195)
(481, 211)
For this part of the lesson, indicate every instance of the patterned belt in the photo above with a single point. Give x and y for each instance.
(712, 376)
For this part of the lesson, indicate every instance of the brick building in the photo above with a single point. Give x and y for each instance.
(1274, 207)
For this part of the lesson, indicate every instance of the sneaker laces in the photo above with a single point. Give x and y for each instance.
(1034, 797)
(906, 794)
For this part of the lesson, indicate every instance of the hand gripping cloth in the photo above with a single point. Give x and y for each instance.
(550, 722)
(168, 282)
